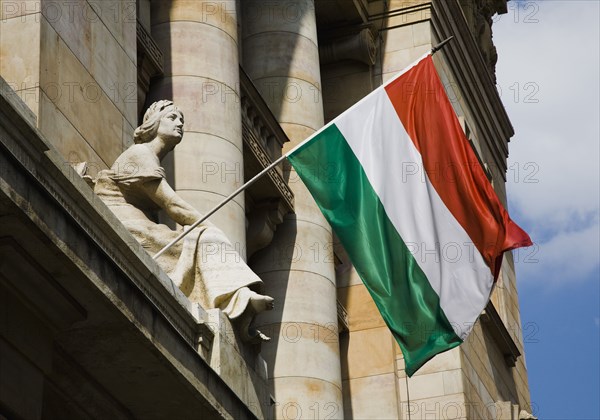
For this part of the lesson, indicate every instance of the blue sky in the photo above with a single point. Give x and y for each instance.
(548, 76)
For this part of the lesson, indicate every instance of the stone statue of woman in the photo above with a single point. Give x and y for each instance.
(135, 189)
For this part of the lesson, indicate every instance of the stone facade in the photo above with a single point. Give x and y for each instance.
(96, 329)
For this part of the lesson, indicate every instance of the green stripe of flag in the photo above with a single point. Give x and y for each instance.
(402, 293)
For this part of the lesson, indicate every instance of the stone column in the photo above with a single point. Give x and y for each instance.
(199, 40)
(280, 54)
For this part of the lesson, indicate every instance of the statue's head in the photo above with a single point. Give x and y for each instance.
(152, 118)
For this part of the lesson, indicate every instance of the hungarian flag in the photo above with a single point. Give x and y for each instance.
(403, 190)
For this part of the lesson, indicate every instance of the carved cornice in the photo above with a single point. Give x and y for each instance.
(260, 110)
(474, 79)
(342, 315)
(278, 184)
(479, 18)
(263, 138)
(149, 48)
(150, 61)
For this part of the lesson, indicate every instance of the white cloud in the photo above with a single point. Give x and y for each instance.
(567, 258)
(548, 77)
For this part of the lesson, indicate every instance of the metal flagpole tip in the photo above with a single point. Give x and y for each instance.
(441, 44)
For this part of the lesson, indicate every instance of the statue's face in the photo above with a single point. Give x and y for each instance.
(171, 126)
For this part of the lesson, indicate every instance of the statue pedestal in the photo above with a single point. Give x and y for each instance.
(239, 365)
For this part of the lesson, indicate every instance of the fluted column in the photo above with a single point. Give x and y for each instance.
(199, 40)
(280, 54)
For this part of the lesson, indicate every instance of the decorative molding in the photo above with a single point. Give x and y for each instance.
(342, 315)
(478, 15)
(253, 143)
(149, 48)
(263, 140)
(270, 199)
(150, 63)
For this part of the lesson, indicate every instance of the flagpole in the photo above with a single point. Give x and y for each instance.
(441, 44)
(275, 163)
(221, 204)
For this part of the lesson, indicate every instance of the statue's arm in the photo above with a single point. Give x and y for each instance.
(176, 207)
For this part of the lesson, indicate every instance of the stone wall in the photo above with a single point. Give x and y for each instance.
(74, 64)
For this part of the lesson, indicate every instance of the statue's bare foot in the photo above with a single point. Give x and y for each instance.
(260, 303)
(257, 303)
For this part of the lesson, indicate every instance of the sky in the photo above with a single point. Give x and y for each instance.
(548, 77)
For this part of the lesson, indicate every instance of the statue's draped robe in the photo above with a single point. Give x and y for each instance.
(204, 264)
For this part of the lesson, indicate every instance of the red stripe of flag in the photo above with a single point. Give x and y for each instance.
(451, 163)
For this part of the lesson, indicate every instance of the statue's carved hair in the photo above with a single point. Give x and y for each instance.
(149, 128)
